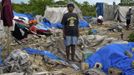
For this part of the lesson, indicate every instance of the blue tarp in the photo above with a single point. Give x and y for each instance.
(57, 25)
(38, 52)
(0, 56)
(47, 23)
(114, 56)
(42, 26)
(42, 53)
(82, 24)
(29, 16)
(99, 9)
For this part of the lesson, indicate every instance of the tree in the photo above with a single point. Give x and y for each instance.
(38, 6)
(87, 9)
(127, 2)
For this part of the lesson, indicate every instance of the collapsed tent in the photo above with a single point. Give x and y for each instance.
(55, 14)
(114, 55)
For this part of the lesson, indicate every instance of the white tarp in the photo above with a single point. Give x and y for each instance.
(121, 12)
(55, 14)
(112, 12)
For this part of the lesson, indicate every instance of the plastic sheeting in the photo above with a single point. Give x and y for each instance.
(26, 16)
(0, 56)
(112, 12)
(114, 56)
(55, 14)
(121, 12)
(100, 9)
(105, 10)
(30, 16)
(42, 53)
(82, 24)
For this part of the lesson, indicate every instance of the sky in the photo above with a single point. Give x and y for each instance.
(90, 1)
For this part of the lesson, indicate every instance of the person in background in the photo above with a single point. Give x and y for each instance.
(100, 20)
(70, 24)
(128, 18)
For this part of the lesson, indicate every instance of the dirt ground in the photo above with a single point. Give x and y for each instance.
(106, 25)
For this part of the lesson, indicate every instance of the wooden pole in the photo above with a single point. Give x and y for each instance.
(8, 40)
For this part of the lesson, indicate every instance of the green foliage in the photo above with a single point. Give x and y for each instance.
(60, 3)
(38, 6)
(22, 8)
(127, 3)
(87, 9)
(90, 32)
(131, 37)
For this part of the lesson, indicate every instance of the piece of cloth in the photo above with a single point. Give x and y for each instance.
(7, 13)
(33, 28)
(70, 24)
(19, 33)
(70, 40)
(100, 17)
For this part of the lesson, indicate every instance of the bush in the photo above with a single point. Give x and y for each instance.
(90, 32)
(131, 37)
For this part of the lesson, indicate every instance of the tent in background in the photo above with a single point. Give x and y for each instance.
(120, 13)
(113, 12)
(55, 14)
(105, 10)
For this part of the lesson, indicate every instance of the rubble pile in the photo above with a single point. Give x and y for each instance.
(38, 64)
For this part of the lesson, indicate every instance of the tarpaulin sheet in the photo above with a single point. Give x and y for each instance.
(42, 53)
(99, 9)
(82, 24)
(113, 55)
(0, 56)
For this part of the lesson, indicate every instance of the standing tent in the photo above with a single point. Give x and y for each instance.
(113, 12)
(120, 13)
(55, 14)
(105, 10)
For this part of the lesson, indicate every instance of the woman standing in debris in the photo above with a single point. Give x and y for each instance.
(70, 23)
(128, 18)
